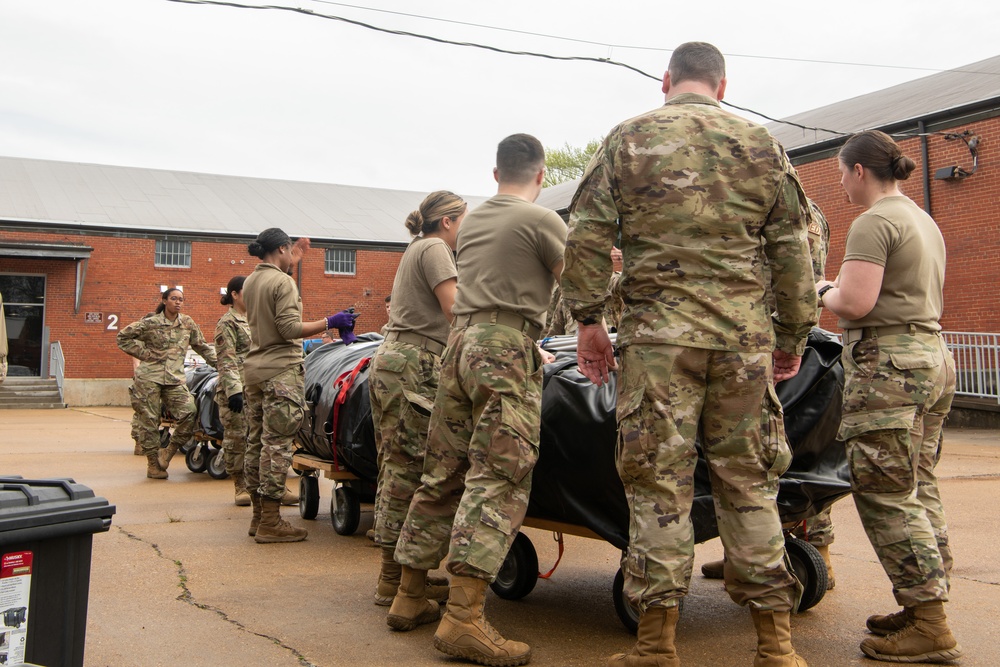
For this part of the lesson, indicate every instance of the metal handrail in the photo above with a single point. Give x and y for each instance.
(57, 366)
(977, 363)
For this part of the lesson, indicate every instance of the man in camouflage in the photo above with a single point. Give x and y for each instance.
(818, 529)
(483, 435)
(700, 195)
(559, 321)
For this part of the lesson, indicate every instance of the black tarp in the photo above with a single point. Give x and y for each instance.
(201, 381)
(355, 437)
(575, 481)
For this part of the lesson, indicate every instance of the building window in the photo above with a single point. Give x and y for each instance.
(341, 261)
(176, 254)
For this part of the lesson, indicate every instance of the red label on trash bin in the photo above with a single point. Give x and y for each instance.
(15, 589)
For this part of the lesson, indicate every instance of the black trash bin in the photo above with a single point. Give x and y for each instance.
(46, 536)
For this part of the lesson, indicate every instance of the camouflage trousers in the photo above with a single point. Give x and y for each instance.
(897, 392)
(816, 530)
(402, 383)
(482, 445)
(149, 400)
(668, 396)
(234, 439)
(273, 410)
(135, 412)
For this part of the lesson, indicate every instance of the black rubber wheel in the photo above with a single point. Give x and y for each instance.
(197, 458)
(345, 510)
(164, 436)
(308, 497)
(519, 572)
(628, 613)
(810, 568)
(217, 465)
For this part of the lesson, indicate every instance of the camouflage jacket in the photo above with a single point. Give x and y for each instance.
(232, 342)
(161, 345)
(819, 247)
(701, 196)
(560, 322)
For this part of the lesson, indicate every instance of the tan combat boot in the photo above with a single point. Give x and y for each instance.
(655, 645)
(411, 607)
(465, 633)
(255, 520)
(289, 497)
(272, 528)
(388, 581)
(138, 449)
(887, 624)
(714, 569)
(926, 639)
(153, 469)
(239, 484)
(824, 551)
(167, 453)
(774, 639)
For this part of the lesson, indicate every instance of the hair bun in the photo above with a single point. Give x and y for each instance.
(415, 223)
(255, 249)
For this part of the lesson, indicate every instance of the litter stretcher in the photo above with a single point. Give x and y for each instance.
(575, 488)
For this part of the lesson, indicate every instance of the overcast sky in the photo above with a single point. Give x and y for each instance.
(276, 94)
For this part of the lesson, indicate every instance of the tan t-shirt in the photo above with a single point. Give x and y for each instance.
(427, 263)
(897, 234)
(507, 249)
(274, 313)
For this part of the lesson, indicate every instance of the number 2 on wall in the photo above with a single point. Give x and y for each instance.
(112, 322)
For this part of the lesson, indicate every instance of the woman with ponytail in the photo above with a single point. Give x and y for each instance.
(273, 391)
(898, 388)
(403, 379)
(232, 343)
(160, 342)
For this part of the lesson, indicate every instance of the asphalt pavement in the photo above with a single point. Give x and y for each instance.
(177, 581)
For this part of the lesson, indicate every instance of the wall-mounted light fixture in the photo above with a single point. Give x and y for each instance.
(955, 172)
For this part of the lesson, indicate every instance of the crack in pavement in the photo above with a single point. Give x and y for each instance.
(187, 597)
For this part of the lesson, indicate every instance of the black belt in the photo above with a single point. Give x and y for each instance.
(851, 335)
(502, 317)
(426, 343)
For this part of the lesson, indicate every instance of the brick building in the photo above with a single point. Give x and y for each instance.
(85, 250)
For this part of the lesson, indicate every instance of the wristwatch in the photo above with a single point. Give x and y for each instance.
(588, 320)
(823, 290)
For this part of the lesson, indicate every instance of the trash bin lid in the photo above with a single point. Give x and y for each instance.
(36, 509)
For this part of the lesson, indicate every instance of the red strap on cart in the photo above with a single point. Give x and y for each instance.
(558, 537)
(340, 387)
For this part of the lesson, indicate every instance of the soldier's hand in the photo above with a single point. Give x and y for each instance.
(595, 355)
(786, 366)
(236, 402)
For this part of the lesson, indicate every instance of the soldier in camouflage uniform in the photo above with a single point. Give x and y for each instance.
(160, 343)
(484, 429)
(560, 322)
(818, 529)
(403, 377)
(273, 378)
(232, 343)
(898, 387)
(700, 194)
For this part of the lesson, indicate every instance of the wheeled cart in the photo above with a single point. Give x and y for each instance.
(349, 491)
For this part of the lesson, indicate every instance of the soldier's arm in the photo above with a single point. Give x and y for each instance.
(130, 342)
(199, 345)
(228, 366)
(787, 249)
(593, 226)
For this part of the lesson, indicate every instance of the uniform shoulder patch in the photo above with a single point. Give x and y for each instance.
(815, 228)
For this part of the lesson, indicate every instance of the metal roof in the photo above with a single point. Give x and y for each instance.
(178, 202)
(558, 197)
(941, 92)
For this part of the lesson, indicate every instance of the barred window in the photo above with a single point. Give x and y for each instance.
(173, 254)
(341, 261)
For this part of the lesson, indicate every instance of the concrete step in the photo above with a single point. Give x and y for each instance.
(31, 397)
(32, 406)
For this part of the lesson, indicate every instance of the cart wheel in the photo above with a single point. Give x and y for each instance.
(217, 464)
(164, 436)
(628, 613)
(519, 572)
(197, 458)
(810, 568)
(345, 510)
(308, 497)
